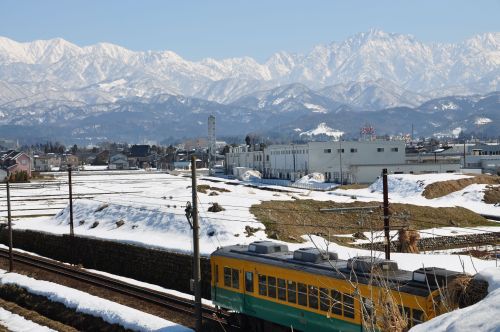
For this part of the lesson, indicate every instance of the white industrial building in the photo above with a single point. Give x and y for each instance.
(339, 161)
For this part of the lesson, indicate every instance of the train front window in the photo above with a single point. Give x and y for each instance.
(227, 276)
(236, 279)
(249, 282)
(302, 294)
(292, 291)
(313, 297)
(271, 287)
(337, 302)
(324, 299)
(262, 285)
(282, 289)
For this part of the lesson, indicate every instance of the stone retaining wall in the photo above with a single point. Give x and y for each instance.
(444, 242)
(160, 267)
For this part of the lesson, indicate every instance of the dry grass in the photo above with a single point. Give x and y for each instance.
(35, 317)
(288, 220)
(464, 291)
(492, 195)
(408, 241)
(443, 188)
(204, 188)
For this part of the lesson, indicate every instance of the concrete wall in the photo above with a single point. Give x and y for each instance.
(168, 269)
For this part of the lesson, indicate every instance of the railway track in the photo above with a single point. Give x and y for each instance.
(171, 302)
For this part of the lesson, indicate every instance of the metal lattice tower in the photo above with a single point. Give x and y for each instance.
(211, 143)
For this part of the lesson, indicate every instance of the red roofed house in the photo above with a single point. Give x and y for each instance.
(13, 161)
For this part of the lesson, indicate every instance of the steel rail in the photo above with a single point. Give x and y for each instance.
(152, 296)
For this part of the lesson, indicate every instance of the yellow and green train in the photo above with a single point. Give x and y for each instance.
(310, 290)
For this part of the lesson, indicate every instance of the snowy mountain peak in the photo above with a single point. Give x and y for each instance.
(54, 67)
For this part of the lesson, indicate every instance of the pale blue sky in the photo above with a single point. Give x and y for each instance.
(226, 28)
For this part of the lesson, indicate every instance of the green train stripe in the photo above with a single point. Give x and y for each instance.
(282, 314)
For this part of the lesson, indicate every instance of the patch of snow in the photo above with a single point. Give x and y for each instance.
(110, 85)
(449, 106)
(16, 323)
(311, 178)
(482, 121)
(110, 312)
(298, 130)
(323, 129)
(278, 101)
(315, 108)
(251, 175)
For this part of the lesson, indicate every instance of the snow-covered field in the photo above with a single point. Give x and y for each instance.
(110, 312)
(147, 209)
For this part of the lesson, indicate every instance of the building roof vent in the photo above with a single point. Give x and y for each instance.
(366, 264)
(313, 255)
(267, 247)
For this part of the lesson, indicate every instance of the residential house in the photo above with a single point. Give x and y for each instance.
(45, 163)
(118, 161)
(13, 161)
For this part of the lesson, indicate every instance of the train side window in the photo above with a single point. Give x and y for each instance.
(282, 289)
(337, 302)
(292, 291)
(302, 294)
(271, 287)
(249, 282)
(236, 279)
(262, 285)
(324, 299)
(348, 306)
(405, 312)
(313, 297)
(227, 276)
(417, 317)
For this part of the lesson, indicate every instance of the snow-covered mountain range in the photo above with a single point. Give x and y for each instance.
(48, 82)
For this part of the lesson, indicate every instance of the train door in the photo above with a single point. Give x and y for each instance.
(248, 291)
(216, 282)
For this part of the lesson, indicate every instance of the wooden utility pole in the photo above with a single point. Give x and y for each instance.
(71, 232)
(196, 249)
(9, 219)
(386, 215)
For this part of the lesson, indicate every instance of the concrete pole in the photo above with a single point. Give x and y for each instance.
(196, 250)
(9, 219)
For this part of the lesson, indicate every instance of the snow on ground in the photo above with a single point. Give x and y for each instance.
(311, 178)
(408, 188)
(251, 175)
(323, 129)
(482, 316)
(110, 312)
(151, 206)
(16, 323)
